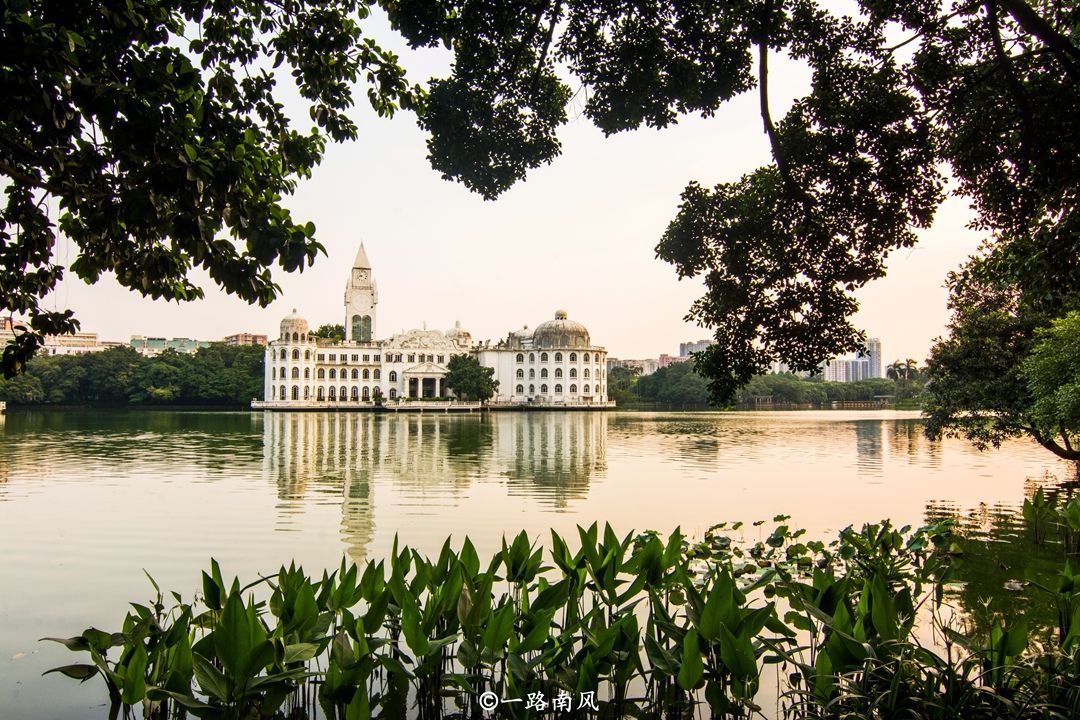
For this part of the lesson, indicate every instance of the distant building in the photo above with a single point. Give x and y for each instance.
(151, 346)
(666, 359)
(643, 367)
(245, 339)
(852, 368)
(690, 347)
(79, 343)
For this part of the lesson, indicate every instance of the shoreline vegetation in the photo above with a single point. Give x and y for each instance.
(228, 377)
(641, 626)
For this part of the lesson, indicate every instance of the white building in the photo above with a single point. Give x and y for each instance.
(555, 365)
(860, 366)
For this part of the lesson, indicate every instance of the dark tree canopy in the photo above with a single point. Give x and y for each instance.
(155, 128)
(900, 93)
(1004, 368)
(469, 379)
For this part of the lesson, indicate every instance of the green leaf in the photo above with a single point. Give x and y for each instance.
(80, 672)
(692, 668)
(134, 689)
(300, 652)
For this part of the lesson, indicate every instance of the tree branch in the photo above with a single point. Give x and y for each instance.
(770, 129)
(1036, 24)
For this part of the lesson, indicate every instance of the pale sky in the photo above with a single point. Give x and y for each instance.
(577, 235)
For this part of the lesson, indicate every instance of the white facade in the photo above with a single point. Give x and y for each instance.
(853, 368)
(554, 365)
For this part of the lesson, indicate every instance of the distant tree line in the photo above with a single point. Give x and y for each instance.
(215, 375)
(680, 384)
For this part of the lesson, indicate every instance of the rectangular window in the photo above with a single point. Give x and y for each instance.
(367, 358)
(376, 358)
(333, 358)
(356, 357)
(440, 358)
(322, 357)
(412, 358)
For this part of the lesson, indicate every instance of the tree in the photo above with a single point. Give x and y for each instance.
(153, 143)
(982, 384)
(677, 383)
(335, 332)
(1052, 372)
(985, 90)
(469, 379)
(156, 130)
(621, 382)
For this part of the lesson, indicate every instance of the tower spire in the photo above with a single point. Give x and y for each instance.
(361, 260)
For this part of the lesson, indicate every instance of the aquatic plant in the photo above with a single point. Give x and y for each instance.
(634, 626)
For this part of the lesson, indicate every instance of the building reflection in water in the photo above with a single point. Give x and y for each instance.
(869, 445)
(426, 459)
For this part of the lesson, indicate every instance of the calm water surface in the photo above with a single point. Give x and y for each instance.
(88, 499)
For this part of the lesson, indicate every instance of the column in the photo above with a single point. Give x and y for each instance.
(438, 387)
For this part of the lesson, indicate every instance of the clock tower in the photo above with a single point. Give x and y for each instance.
(361, 296)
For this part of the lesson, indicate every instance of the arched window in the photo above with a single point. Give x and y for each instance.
(532, 357)
(585, 389)
(282, 392)
(320, 395)
(573, 389)
(376, 373)
(532, 389)
(296, 372)
(586, 358)
(307, 373)
(307, 354)
(565, 341)
(393, 376)
(532, 373)
(355, 373)
(333, 374)
(543, 357)
(558, 357)
(520, 389)
(596, 388)
(303, 337)
(296, 337)
(295, 354)
(273, 373)
(520, 374)
(295, 392)
(283, 354)
(543, 389)
(393, 393)
(342, 392)
(558, 389)
(573, 357)
(356, 392)
(543, 372)
(521, 357)
(367, 393)
(558, 372)
(573, 372)
(320, 373)
(332, 393)
(307, 392)
(367, 374)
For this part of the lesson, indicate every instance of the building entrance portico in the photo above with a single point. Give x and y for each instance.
(425, 381)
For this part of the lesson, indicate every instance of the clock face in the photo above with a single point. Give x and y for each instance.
(360, 275)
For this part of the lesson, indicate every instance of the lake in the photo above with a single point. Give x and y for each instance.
(90, 499)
